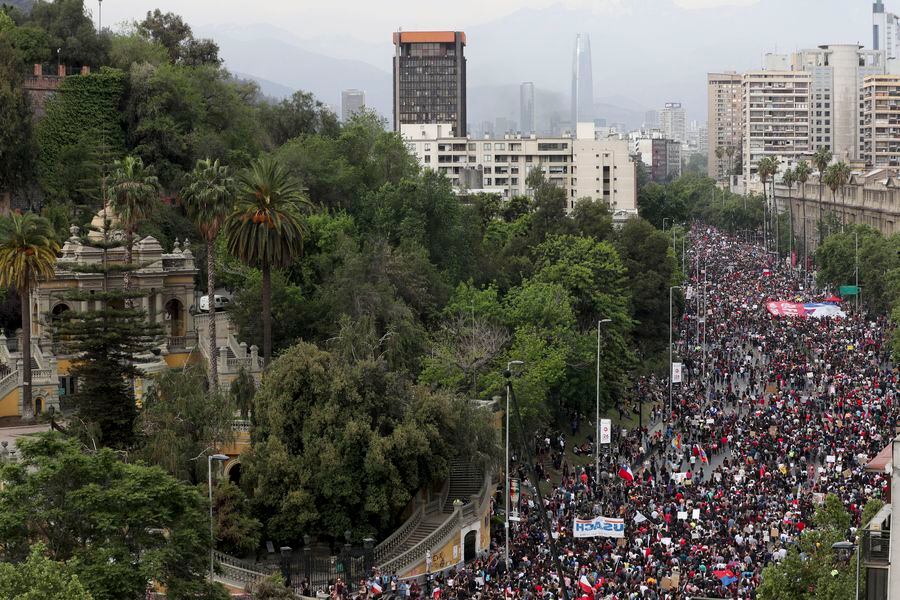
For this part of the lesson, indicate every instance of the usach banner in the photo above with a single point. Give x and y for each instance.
(599, 526)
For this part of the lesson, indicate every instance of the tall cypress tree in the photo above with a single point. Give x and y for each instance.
(107, 343)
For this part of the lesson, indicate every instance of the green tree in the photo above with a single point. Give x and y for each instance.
(172, 33)
(180, 420)
(39, 578)
(120, 525)
(17, 149)
(207, 199)
(836, 177)
(242, 392)
(341, 445)
(820, 160)
(27, 253)
(592, 218)
(802, 171)
(266, 229)
(70, 30)
(236, 532)
(299, 115)
(273, 588)
(651, 267)
(133, 193)
(789, 178)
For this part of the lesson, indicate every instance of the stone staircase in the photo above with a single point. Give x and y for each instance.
(465, 481)
(432, 522)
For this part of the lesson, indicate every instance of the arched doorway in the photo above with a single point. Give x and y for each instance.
(175, 318)
(38, 405)
(234, 474)
(469, 546)
(60, 309)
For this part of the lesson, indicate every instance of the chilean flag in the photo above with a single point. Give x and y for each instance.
(626, 474)
(726, 577)
(585, 585)
(436, 593)
(376, 588)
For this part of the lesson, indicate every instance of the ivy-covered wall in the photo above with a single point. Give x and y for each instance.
(83, 116)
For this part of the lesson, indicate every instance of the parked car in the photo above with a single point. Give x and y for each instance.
(220, 302)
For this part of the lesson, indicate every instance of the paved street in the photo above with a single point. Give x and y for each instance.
(11, 434)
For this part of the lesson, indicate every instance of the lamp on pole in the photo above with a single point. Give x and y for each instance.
(856, 265)
(506, 515)
(671, 289)
(100, 16)
(212, 538)
(848, 547)
(597, 423)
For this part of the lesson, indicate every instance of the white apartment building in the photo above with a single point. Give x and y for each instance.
(724, 110)
(881, 121)
(776, 119)
(673, 122)
(584, 166)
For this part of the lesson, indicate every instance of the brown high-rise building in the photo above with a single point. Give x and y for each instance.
(430, 79)
(724, 124)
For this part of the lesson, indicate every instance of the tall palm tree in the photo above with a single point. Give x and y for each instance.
(133, 192)
(788, 179)
(766, 168)
(208, 198)
(267, 228)
(802, 172)
(27, 252)
(833, 181)
(842, 173)
(821, 159)
(720, 154)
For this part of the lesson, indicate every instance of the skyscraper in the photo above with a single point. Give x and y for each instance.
(526, 108)
(724, 113)
(430, 79)
(352, 102)
(582, 81)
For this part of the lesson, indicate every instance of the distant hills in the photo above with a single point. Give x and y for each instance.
(23, 5)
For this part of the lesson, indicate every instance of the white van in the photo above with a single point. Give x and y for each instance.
(221, 303)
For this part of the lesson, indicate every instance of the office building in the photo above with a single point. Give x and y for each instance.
(651, 120)
(673, 122)
(837, 72)
(352, 102)
(662, 157)
(526, 108)
(776, 117)
(582, 166)
(881, 121)
(582, 81)
(430, 79)
(724, 110)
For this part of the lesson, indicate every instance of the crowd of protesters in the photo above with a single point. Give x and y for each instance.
(772, 413)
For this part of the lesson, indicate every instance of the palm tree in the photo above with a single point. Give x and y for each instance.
(842, 173)
(27, 252)
(133, 192)
(833, 181)
(267, 228)
(766, 168)
(821, 159)
(801, 173)
(720, 154)
(788, 179)
(207, 199)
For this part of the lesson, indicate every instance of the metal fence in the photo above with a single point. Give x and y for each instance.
(350, 565)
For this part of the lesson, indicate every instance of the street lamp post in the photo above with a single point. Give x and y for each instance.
(597, 423)
(856, 266)
(671, 289)
(848, 547)
(506, 516)
(212, 539)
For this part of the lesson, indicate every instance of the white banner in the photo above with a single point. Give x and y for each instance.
(605, 431)
(676, 372)
(599, 526)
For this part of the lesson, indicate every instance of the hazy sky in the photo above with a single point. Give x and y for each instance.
(645, 52)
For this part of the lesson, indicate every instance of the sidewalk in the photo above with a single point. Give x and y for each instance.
(10, 434)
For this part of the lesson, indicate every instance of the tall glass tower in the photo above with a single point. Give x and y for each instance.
(582, 81)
